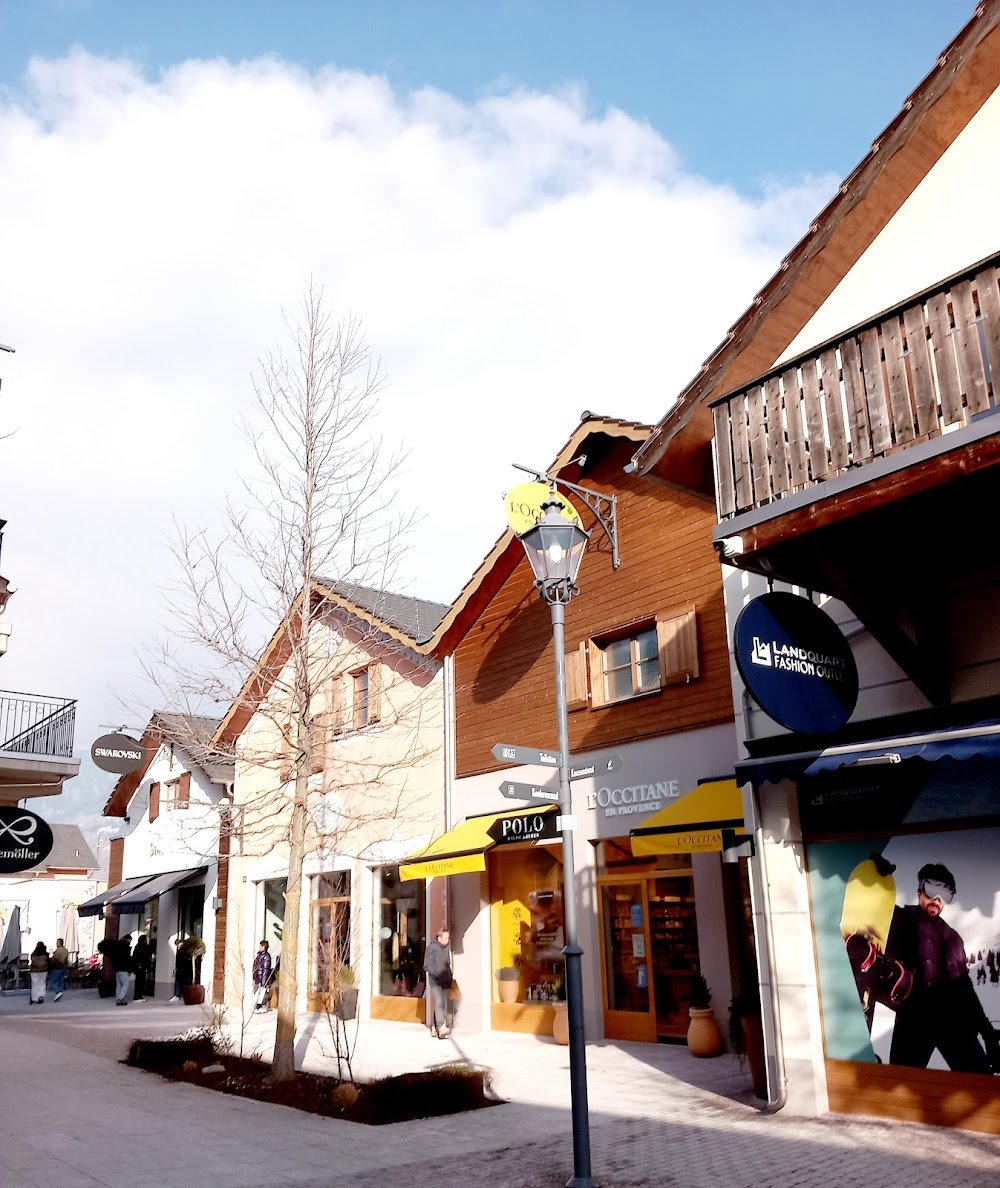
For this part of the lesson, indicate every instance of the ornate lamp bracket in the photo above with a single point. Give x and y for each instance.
(604, 507)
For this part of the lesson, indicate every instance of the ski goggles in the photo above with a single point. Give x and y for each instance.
(935, 890)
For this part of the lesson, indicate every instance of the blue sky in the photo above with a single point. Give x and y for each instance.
(743, 89)
(535, 208)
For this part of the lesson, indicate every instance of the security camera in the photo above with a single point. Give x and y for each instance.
(730, 546)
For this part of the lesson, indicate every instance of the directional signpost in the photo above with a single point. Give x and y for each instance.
(528, 756)
(514, 791)
(508, 753)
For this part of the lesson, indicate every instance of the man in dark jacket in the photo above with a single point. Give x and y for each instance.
(437, 966)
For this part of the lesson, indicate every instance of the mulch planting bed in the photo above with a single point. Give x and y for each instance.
(452, 1089)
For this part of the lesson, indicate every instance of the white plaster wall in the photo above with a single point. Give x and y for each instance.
(947, 223)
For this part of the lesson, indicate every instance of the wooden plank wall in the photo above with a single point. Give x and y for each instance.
(902, 380)
(504, 668)
(964, 1100)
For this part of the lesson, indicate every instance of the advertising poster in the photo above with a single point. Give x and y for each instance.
(908, 944)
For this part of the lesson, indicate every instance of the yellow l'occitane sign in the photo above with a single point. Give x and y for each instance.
(524, 506)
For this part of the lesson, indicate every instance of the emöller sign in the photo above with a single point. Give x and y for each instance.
(117, 753)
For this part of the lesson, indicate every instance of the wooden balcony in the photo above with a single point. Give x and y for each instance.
(912, 374)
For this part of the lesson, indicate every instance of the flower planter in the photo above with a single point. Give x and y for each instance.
(508, 991)
(347, 1005)
(193, 995)
(560, 1024)
(703, 1037)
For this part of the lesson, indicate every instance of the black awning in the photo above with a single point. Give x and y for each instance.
(134, 900)
(95, 906)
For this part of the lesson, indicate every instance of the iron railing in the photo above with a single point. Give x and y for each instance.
(35, 725)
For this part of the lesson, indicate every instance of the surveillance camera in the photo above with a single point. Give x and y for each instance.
(730, 546)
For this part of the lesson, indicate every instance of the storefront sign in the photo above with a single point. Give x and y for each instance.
(527, 827)
(25, 839)
(117, 753)
(796, 663)
(524, 506)
(636, 798)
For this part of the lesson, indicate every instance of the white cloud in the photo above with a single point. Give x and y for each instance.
(515, 261)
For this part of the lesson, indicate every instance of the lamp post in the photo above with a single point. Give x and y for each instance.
(555, 549)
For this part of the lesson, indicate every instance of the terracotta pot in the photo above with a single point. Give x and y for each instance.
(560, 1024)
(704, 1037)
(508, 991)
(192, 995)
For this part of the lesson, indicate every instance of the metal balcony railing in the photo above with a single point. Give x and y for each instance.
(36, 725)
(910, 374)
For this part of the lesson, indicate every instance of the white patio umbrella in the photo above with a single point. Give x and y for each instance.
(10, 951)
(67, 927)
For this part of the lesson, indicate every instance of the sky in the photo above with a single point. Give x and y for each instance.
(534, 208)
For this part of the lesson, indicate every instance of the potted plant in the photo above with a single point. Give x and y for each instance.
(508, 983)
(192, 949)
(746, 1032)
(703, 1037)
(346, 994)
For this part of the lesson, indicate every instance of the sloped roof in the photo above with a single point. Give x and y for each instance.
(193, 733)
(965, 75)
(501, 561)
(70, 850)
(414, 617)
(403, 619)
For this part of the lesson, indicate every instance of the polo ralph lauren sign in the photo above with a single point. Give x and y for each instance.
(796, 663)
(25, 839)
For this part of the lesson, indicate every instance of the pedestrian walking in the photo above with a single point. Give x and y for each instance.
(437, 966)
(262, 977)
(38, 968)
(142, 957)
(58, 961)
(122, 958)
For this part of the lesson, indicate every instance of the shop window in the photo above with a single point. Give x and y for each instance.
(526, 894)
(636, 660)
(402, 931)
(330, 947)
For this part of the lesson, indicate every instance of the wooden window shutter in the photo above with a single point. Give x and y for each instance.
(319, 732)
(338, 704)
(154, 801)
(576, 678)
(184, 790)
(598, 696)
(374, 692)
(677, 639)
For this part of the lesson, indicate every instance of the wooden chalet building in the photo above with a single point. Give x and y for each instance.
(650, 716)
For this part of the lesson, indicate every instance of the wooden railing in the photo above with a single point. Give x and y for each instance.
(907, 376)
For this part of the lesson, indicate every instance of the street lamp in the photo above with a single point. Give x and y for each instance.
(555, 549)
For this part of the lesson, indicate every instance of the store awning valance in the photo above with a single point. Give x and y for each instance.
(132, 902)
(95, 906)
(462, 850)
(704, 820)
(981, 739)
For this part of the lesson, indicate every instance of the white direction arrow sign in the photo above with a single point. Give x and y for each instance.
(514, 791)
(580, 770)
(508, 753)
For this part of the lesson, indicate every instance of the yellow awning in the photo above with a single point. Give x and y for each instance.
(462, 849)
(693, 824)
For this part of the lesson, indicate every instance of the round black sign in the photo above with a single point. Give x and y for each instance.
(796, 663)
(117, 753)
(25, 839)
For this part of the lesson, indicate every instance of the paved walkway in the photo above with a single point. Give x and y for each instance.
(72, 1115)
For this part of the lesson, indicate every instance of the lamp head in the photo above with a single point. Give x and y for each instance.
(555, 549)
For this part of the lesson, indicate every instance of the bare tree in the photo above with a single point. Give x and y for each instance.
(318, 523)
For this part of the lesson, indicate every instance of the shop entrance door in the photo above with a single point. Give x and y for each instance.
(649, 950)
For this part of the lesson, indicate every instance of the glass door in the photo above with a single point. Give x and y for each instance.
(628, 1005)
(674, 949)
